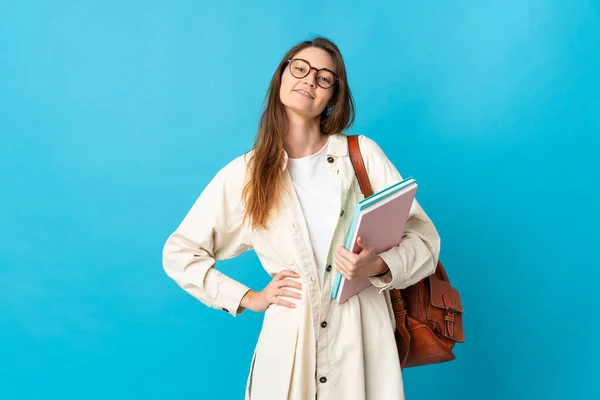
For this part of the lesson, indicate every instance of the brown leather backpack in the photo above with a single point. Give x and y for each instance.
(428, 313)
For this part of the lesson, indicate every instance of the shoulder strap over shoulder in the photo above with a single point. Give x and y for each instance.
(359, 165)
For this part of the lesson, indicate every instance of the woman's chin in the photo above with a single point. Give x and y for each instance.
(302, 111)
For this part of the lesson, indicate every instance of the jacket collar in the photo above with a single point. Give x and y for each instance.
(338, 145)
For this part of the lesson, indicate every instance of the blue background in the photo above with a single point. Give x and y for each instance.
(115, 115)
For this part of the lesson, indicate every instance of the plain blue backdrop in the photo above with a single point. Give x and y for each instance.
(115, 115)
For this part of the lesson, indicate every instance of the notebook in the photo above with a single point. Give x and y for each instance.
(380, 219)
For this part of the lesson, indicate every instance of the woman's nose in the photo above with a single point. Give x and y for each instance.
(311, 78)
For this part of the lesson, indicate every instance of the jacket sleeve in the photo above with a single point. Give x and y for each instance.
(212, 230)
(417, 254)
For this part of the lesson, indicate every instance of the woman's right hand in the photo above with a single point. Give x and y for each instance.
(272, 293)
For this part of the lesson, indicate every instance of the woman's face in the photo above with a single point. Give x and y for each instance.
(304, 96)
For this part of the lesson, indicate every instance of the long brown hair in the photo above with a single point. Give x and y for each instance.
(263, 190)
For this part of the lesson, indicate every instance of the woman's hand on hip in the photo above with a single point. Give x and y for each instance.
(273, 293)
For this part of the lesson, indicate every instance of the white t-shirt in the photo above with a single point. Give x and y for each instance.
(318, 191)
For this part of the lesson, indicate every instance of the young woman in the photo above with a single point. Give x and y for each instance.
(291, 199)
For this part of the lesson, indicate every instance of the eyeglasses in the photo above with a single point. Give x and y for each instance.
(300, 68)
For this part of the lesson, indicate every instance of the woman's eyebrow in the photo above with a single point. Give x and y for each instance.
(314, 66)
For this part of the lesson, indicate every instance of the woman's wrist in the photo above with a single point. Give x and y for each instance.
(384, 268)
(247, 299)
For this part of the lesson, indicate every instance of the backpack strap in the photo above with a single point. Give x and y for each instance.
(359, 166)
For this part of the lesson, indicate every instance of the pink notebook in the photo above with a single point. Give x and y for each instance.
(382, 225)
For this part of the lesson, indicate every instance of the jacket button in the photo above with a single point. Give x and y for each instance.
(323, 379)
(324, 324)
(342, 213)
(330, 160)
(328, 268)
(226, 310)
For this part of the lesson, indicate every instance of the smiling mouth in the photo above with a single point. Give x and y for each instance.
(304, 93)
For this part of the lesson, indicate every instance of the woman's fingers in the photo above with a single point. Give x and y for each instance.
(284, 303)
(281, 281)
(281, 292)
(342, 267)
(286, 274)
(345, 255)
(289, 283)
(278, 293)
(289, 293)
(344, 273)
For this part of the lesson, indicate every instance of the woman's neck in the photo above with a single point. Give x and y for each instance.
(304, 138)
